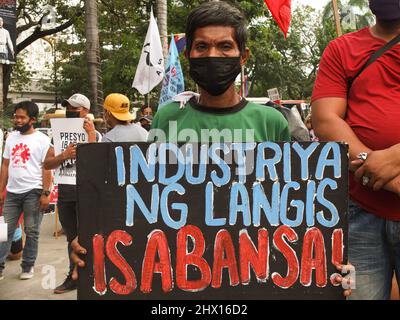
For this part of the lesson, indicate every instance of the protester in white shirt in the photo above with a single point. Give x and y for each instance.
(77, 106)
(28, 184)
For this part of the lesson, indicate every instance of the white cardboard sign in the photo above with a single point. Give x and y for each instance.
(66, 131)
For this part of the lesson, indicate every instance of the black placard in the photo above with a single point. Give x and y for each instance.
(287, 253)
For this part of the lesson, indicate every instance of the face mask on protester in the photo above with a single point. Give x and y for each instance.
(385, 9)
(214, 74)
(23, 128)
(72, 114)
(146, 126)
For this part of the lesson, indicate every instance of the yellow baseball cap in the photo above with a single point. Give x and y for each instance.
(118, 105)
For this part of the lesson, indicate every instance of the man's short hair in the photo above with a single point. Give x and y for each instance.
(142, 108)
(30, 107)
(217, 14)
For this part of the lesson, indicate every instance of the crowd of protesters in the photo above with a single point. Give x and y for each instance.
(359, 108)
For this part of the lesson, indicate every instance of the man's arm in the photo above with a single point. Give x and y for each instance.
(3, 178)
(46, 181)
(88, 125)
(328, 122)
(52, 162)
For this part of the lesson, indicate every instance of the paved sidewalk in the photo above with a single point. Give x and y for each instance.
(52, 260)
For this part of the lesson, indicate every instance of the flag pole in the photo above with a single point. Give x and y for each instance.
(337, 18)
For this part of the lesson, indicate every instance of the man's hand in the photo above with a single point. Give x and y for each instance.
(88, 125)
(70, 152)
(1, 199)
(76, 251)
(44, 202)
(380, 167)
(340, 280)
(355, 165)
(394, 186)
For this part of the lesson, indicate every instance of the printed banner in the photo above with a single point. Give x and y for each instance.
(66, 131)
(173, 82)
(218, 221)
(8, 31)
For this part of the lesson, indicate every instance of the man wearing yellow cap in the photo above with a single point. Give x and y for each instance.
(118, 117)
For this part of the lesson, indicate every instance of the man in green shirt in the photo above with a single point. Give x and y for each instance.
(216, 35)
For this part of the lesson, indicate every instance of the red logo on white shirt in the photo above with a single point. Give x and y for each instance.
(20, 154)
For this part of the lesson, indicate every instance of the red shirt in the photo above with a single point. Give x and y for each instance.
(373, 110)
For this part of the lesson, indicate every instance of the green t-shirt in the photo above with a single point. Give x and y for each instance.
(245, 122)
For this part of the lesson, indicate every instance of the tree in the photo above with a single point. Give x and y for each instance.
(93, 55)
(290, 65)
(354, 14)
(122, 28)
(162, 16)
(31, 15)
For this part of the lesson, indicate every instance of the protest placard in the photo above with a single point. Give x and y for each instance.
(223, 221)
(66, 131)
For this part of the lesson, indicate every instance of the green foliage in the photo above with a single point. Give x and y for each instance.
(29, 14)
(354, 14)
(289, 65)
(123, 26)
(6, 119)
(21, 78)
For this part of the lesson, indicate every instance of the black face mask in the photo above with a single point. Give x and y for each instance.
(72, 114)
(23, 128)
(146, 126)
(214, 74)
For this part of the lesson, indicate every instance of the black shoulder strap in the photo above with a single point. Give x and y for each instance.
(373, 58)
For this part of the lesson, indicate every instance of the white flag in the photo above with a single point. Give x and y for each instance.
(150, 70)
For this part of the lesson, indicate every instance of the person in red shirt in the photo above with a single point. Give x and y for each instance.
(367, 117)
